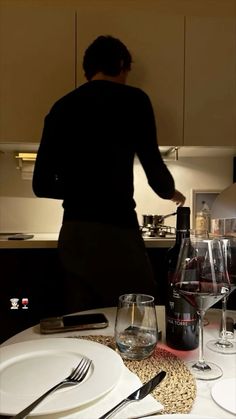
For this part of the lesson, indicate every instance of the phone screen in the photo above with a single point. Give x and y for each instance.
(83, 319)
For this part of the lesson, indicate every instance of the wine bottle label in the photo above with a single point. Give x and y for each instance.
(181, 322)
(180, 306)
(180, 312)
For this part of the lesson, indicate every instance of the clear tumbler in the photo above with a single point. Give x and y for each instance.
(136, 331)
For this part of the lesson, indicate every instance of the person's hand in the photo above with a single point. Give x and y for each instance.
(178, 198)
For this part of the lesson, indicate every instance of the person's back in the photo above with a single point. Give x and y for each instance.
(98, 128)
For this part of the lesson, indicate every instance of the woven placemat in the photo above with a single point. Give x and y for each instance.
(177, 392)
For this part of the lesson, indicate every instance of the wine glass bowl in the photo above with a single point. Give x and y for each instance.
(201, 278)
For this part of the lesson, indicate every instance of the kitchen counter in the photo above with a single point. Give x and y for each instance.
(40, 240)
(49, 240)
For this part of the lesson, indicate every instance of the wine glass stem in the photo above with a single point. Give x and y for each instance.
(223, 319)
(201, 315)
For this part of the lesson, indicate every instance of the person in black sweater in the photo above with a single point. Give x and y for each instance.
(85, 158)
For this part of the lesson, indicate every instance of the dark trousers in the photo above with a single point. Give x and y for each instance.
(101, 262)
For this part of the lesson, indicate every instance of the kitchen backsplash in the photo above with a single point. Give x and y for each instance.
(21, 211)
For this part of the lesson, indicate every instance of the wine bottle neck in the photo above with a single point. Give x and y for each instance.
(182, 224)
(181, 234)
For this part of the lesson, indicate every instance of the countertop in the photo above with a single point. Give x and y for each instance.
(49, 240)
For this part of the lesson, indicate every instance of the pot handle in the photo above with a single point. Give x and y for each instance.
(168, 215)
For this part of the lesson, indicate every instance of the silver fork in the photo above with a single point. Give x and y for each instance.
(77, 375)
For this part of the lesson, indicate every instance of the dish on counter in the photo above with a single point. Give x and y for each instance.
(223, 393)
(16, 236)
(47, 362)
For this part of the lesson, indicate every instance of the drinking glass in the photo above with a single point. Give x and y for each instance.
(223, 344)
(136, 331)
(202, 280)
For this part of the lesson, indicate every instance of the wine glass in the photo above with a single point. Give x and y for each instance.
(201, 279)
(223, 344)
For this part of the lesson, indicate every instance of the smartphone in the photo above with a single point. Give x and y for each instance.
(73, 322)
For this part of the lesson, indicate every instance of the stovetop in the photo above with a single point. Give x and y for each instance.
(158, 232)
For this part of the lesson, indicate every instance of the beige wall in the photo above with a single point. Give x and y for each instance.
(189, 173)
(20, 210)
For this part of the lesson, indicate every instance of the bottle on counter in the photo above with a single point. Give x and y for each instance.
(207, 214)
(203, 218)
(181, 317)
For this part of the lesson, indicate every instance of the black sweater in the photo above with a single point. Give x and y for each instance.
(87, 149)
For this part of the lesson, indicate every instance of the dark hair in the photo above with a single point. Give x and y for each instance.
(108, 55)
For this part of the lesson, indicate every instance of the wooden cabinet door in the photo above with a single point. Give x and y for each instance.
(210, 81)
(156, 42)
(37, 64)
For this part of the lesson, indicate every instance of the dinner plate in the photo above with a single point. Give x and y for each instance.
(30, 368)
(223, 393)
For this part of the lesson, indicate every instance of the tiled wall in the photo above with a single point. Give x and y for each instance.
(20, 210)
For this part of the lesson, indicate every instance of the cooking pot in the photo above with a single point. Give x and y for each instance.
(155, 220)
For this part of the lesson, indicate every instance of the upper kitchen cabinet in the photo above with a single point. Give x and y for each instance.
(210, 81)
(156, 42)
(37, 64)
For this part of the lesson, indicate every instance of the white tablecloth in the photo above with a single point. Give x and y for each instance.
(204, 405)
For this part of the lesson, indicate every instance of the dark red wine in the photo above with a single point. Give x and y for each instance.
(201, 295)
(181, 316)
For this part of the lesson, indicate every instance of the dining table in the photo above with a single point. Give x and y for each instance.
(197, 401)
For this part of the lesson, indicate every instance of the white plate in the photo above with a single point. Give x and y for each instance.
(223, 394)
(180, 416)
(28, 369)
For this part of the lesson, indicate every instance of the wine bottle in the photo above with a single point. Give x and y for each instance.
(181, 317)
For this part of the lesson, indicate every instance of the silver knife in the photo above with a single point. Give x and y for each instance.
(137, 395)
